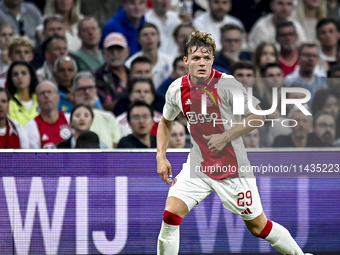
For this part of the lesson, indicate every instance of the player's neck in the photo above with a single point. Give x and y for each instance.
(199, 80)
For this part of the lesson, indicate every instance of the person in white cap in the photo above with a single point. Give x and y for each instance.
(112, 77)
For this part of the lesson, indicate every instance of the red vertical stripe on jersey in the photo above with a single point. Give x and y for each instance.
(203, 125)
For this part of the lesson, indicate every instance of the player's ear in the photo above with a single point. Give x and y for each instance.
(185, 59)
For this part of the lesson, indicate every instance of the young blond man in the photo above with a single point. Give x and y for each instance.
(215, 143)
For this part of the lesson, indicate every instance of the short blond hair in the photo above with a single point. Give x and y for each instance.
(199, 39)
(20, 41)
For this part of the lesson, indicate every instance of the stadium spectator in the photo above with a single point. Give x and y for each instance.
(324, 127)
(6, 34)
(166, 21)
(21, 83)
(305, 75)
(272, 78)
(264, 54)
(25, 17)
(252, 139)
(325, 101)
(140, 118)
(178, 135)
(244, 72)
(180, 34)
(65, 68)
(112, 76)
(249, 13)
(287, 39)
(179, 70)
(307, 13)
(50, 126)
(56, 46)
(149, 40)
(12, 135)
(231, 52)
(301, 135)
(20, 48)
(139, 89)
(327, 31)
(81, 119)
(213, 20)
(128, 20)
(89, 55)
(54, 25)
(70, 11)
(101, 10)
(140, 67)
(88, 140)
(264, 28)
(104, 123)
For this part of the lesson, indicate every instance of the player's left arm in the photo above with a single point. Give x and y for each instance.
(216, 142)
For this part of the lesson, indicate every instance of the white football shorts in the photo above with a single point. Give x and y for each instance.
(239, 195)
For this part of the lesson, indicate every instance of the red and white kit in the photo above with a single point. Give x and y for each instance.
(43, 135)
(194, 183)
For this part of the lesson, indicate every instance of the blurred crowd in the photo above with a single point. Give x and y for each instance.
(93, 74)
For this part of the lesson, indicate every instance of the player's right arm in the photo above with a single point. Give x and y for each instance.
(170, 111)
(163, 138)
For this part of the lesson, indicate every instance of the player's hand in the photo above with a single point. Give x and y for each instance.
(164, 170)
(216, 142)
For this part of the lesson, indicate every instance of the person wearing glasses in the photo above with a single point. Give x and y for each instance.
(51, 126)
(104, 123)
(65, 68)
(140, 118)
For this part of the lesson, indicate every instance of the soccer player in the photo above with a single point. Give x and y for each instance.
(213, 145)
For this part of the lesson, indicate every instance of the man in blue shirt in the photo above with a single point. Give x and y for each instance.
(128, 19)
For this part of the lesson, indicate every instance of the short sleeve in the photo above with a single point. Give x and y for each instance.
(240, 90)
(171, 108)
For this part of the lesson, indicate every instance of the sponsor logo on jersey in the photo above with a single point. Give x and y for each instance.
(194, 118)
(246, 211)
(65, 132)
(44, 137)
